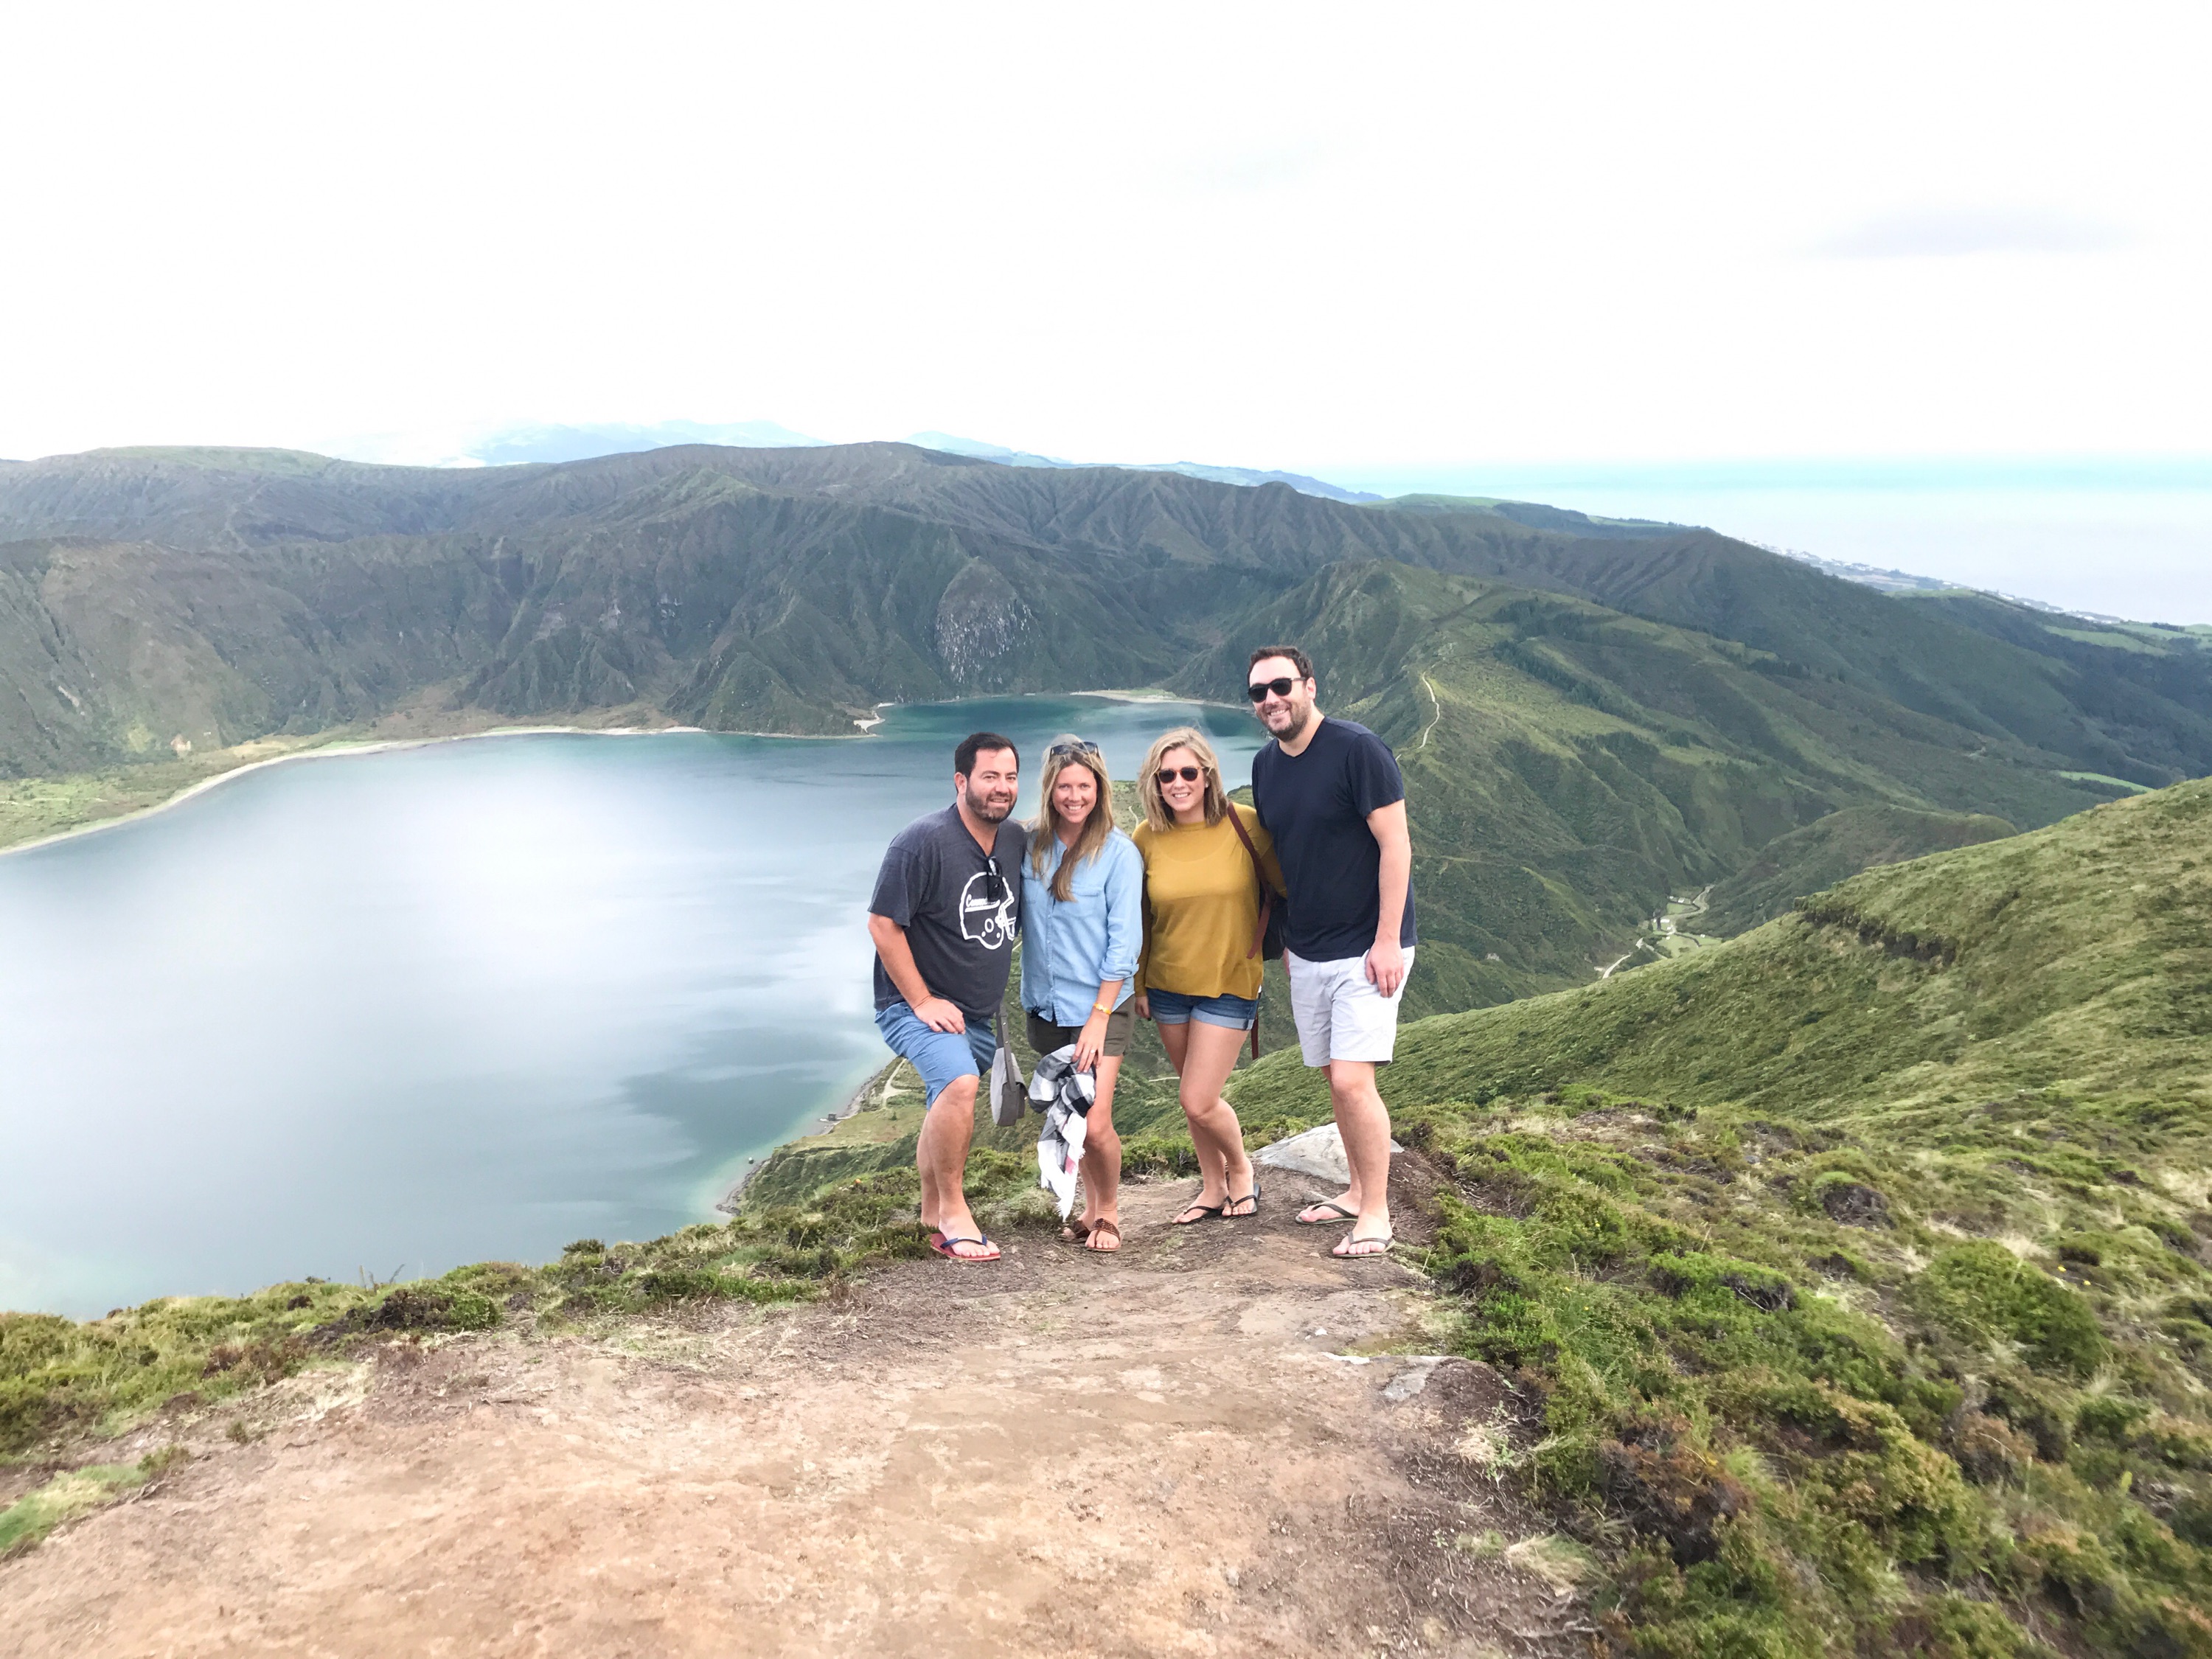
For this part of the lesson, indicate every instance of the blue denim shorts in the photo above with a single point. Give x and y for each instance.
(1173, 1008)
(939, 1056)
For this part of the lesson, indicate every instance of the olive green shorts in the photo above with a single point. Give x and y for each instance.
(1045, 1036)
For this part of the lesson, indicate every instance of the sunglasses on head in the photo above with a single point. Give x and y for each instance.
(1077, 746)
(1260, 691)
(1187, 774)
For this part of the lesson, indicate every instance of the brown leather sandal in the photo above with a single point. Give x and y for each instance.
(1098, 1230)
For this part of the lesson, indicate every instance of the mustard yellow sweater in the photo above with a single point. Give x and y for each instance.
(1201, 904)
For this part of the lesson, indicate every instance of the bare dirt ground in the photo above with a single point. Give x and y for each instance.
(1161, 1453)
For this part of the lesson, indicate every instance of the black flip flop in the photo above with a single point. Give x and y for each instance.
(1203, 1211)
(1386, 1240)
(1230, 1212)
(1342, 1214)
(943, 1244)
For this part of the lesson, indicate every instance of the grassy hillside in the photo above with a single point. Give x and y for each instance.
(1863, 1264)
(1830, 849)
(1571, 767)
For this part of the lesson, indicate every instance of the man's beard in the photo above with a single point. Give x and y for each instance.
(1293, 717)
(988, 812)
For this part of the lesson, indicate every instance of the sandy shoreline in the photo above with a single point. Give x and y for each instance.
(340, 747)
(858, 1100)
(1143, 696)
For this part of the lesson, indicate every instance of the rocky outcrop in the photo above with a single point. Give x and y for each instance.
(981, 621)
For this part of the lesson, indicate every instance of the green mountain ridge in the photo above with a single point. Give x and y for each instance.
(1829, 849)
(1626, 712)
(1570, 766)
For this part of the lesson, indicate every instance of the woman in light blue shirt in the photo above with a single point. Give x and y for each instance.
(1083, 894)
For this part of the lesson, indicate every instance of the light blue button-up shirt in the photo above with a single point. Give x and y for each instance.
(1069, 949)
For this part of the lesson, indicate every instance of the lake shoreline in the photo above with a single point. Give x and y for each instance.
(339, 747)
(855, 1103)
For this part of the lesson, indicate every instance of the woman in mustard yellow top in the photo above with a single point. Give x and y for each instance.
(1199, 978)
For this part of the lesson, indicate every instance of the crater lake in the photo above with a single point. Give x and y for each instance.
(387, 1013)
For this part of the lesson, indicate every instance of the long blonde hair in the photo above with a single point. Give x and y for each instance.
(1148, 777)
(1045, 832)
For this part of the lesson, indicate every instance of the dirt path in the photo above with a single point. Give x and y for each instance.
(1154, 1455)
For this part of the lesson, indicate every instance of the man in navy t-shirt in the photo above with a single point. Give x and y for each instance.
(1330, 794)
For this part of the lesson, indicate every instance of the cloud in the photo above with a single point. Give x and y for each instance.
(1250, 172)
(1951, 233)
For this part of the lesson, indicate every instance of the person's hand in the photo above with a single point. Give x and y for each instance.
(1089, 1041)
(940, 1015)
(1144, 1006)
(1386, 967)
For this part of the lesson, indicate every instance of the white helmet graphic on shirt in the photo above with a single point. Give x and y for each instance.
(989, 921)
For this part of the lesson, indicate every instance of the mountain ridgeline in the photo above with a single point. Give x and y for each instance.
(1593, 715)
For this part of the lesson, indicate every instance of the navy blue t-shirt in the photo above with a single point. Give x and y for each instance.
(1315, 805)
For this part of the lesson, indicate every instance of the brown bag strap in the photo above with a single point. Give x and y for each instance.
(1266, 904)
(1266, 893)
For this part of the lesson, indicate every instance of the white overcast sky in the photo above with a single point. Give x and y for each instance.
(1350, 239)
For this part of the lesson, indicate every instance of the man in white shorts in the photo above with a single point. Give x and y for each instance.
(1329, 792)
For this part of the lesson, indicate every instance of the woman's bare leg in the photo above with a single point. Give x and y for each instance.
(1175, 1039)
(1205, 1055)
(1101, 1152)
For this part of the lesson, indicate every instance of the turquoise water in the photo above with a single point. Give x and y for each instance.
(402, 1011)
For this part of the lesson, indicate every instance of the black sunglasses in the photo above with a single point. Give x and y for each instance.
(1079, 746)
(1187, 774)
(1260, 691)
(995, 884)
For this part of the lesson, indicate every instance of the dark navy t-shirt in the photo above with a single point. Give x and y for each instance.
(961, 907)
(1316, 806)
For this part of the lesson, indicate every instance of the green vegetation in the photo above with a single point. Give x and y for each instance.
(31, 1517)
(32, 809)
(1597, 714)
(2118, 786)
(1830, 849)
(85, 1381)
(1571, 767)
(1863, 1264)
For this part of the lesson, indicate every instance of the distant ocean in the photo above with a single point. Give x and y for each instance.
(2123, 537)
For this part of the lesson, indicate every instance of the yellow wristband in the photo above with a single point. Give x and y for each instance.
(1100, 1008)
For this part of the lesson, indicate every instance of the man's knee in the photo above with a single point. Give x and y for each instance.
(960, 1091)
(1351, 1077)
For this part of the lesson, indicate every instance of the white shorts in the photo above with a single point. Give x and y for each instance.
(1340, 1015)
